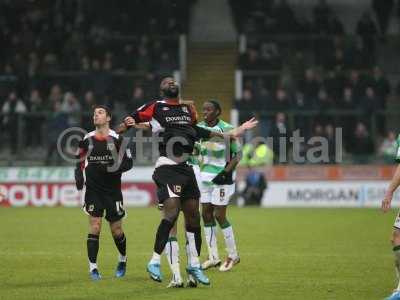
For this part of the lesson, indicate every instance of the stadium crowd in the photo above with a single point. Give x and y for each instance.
(62, 57)
(293, 64)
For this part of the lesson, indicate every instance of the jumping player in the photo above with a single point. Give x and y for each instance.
(176, 184)
(101, 163)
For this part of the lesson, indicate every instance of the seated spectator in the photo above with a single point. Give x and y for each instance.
(370, 102)
(324, 101)
(165, 66)
(309, 86)
(35, 121)
(361, 145)
(89, 101)
(12, 108)
(347, 101)
(389, 147)
(137, 99)
(250, 60)
(281, 101)
(279, 130)
(381, 86)
(71, 107)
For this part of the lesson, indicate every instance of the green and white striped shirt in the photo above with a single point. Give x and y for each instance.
(213, 152)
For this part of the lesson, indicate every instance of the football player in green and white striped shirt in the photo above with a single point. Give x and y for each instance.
(218, 160)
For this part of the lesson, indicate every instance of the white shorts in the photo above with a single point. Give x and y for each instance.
(217, 194)
(396, 221)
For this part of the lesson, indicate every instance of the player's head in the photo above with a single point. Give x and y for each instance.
(211, 110)
(169, 88)
(101, 115)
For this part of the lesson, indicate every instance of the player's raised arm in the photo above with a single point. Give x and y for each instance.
(138, 119)
(236, 132)
(394, 183)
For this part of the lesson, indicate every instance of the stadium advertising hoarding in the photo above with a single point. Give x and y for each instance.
(350, 193)
(362, 186)
(48, 186)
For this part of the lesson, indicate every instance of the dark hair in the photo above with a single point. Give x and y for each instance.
(216, 105)
(106, 108)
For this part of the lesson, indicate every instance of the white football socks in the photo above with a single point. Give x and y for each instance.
(210, 232)
(193, 256)
(172, 253)
(230, 241)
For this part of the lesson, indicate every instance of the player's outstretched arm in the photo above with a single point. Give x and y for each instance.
(238, 131)
(386, 202)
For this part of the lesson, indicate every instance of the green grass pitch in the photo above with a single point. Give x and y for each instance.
(285, 254)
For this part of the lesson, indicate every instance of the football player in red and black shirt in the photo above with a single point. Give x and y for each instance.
(101, 161)
(176, 183)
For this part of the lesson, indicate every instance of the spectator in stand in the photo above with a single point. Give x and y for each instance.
(324, 101)
(338, 62)
(137, 100)
(370, 102)
(143, 62)
(56, 95)
(357, 85)
(127, 59)
(310, 86)
(71, 107)
(269, 56)
(361, 145)
(297, 65)
(334, 83)
(360, 56)
(57, 123)
(12, 108)
(279, 129)
(281, 101)
(250, 60)
(347, 102)
(89, 101)
(35, 121)
(165, 66)
(383, 10)
(381, 86)
(366, 28)
(389, 148)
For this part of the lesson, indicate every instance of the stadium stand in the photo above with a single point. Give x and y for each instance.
(315, 71)
(60, 57)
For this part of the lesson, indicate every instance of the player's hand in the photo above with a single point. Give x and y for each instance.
(250, 124)
(129, 121)
(386, 202)
(223, 178)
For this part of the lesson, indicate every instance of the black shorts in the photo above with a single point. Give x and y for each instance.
(176, 181)
(96, 202)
